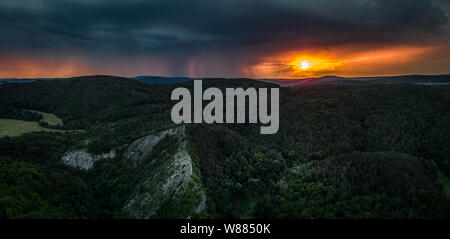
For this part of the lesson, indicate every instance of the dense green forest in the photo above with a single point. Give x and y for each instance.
(342, 151)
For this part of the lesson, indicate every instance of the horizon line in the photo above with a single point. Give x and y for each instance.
(218, 77)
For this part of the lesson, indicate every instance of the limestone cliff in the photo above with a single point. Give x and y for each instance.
(84, 160)
(166, 183)
(169, 181)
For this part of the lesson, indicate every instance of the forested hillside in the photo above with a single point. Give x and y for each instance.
(342, 151)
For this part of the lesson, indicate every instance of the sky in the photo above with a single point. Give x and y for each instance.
(224, 38)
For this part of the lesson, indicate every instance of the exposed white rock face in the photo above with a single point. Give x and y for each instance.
(201, 204)
(141, 148)
(167, 179)
(82, 159)
(167, 174)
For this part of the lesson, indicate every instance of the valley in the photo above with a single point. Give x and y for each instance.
(342, 151)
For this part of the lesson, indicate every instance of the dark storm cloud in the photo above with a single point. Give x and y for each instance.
(186, 27)
(167, 23)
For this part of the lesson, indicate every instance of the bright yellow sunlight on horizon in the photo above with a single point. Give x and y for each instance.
(345, 61)
(304, 65)
(308, 66)
(296, 66)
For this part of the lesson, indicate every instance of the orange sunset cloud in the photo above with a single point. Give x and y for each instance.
(344, 61)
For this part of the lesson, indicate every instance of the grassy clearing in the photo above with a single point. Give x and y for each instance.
(12, 128)
(48, 118)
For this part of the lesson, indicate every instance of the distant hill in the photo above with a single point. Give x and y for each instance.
(153, 80)
(158, 80)
(24, 80)
(438, 80)
(87, 98)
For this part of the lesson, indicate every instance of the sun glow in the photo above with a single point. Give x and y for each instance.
(307, 65)
(304, 65)
(361, 60)
(294, 66)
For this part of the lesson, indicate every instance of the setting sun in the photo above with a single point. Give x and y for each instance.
(313, 65)
(346, 61)
(304, 65)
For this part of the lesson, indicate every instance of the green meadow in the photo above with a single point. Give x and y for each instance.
(48, 118)
(12, 127)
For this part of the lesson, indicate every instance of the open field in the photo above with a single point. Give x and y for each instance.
(12, 128)
(50, 119)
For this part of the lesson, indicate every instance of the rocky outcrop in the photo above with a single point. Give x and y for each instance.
(165, 175)
(168, 179)
(84, 160)
(141, 148)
